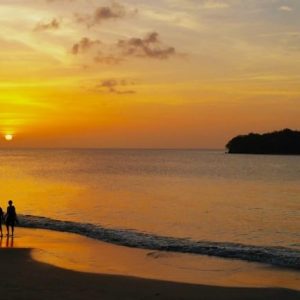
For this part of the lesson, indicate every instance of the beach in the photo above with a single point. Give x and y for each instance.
(26, 279)
(55, 274)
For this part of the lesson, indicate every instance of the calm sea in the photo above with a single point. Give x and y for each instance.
(199, 195)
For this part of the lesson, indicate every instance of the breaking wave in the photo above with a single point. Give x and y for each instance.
(278, 256)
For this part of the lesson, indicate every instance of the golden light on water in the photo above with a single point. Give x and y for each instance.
(8, 137)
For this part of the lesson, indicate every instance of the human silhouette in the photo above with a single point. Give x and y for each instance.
(11, 218)
(1, 219)
(9, 242)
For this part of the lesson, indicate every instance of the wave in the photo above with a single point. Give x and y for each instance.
(278, 256)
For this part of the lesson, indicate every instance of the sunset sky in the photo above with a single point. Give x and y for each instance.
(137, 73)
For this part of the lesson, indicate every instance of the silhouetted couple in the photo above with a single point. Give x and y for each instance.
(10, 218)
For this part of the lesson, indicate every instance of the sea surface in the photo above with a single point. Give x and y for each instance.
(196, 201)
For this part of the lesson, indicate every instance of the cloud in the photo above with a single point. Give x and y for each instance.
(203, 4)
(84, 45)
(149, 46)
(285, 8)
(214, 4)
(52, 25)
(59, 1)
(112, 86)
(108, 59)
(104, 13)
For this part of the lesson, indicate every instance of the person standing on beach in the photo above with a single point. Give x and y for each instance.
(1, 219)
(10, 218)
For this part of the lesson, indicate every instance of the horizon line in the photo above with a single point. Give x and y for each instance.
(113, 148)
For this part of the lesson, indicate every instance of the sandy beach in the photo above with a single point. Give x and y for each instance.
(28, 277)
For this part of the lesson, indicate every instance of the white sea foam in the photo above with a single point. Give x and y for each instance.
(278, 256)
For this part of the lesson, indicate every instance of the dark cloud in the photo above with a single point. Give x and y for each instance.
(113, 86)
(52, 25)
(104, 13)
(149, 46)
(84, 45)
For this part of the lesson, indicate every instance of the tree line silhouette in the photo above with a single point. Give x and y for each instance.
(286, 141)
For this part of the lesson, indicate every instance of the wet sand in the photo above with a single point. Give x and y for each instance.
(66, 266)
(25, 278)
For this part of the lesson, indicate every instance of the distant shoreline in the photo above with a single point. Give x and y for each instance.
(262, 154)
(283, 142)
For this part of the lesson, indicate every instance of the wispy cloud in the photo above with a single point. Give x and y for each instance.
(113, 86)
(104, 13)
(51, 25)
(203, 4)
(285, 8)
(84, 45)
(107, 59)
(149, 46)
(215, 4)
(60, 0)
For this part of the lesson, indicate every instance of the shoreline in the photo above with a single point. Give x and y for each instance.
(26, 278)
(37, 259)
(270, 255)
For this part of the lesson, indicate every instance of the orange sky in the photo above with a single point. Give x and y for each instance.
(161, 73)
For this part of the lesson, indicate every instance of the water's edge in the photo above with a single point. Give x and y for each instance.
(277, 256)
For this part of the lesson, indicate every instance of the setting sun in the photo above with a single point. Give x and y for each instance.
(8, 137)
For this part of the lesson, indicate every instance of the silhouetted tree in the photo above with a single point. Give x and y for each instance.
(285, 141)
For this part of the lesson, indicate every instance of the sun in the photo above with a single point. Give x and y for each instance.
(8, 137)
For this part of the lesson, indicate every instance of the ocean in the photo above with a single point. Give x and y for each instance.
(195, 201)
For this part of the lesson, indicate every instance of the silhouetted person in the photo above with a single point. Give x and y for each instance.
(9, 242)
(1, 219)
(11, 218)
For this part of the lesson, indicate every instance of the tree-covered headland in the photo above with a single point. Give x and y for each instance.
(286, 141)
